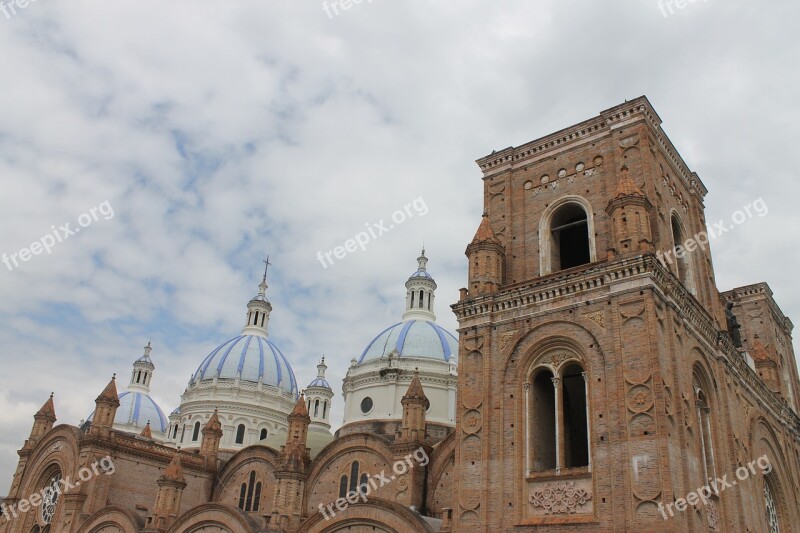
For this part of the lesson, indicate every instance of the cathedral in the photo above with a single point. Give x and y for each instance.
(599, 381)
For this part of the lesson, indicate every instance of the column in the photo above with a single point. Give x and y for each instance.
(559, 425)
(527, 429)
(588, 421)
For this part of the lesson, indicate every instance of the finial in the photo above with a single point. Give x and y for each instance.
(485, 212)
(266, 267)
(114, 376)
(148, 349)
(423, 247)
(51, 395)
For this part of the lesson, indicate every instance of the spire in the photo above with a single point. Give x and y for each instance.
(43, 421)
(213, 423)
(300, 408)
(48, 410)
(109, 394)
(174, 472)
(420, 289)
(146, 433)
(485, 232)
(415, 390)
(626, 186)
(259, 308)
(212, 435)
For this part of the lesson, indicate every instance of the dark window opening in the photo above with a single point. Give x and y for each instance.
(196, 432)
(242, 493)
(316, 408)
(248, 505)
(257, 497)
(263, 434)
(353, 476)
(420, 298)
(343, 486)
(570, 238)
(240, 434)
(543, 428)
(576, 447)
(324, 409)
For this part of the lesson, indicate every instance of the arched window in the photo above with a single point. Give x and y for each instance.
(175, 432)
(576, 444)
(557, 426)
(773, 525)
(316, 407)
(263, 435)
(543, 429)
(50, 494)
(705, 434)
(324, 408)
(183, 432)
(196, 432)
(682, 259)
(343, 486)
(569, 237)
(257, 497)
(138, 376)
(242, 495)
(353, 476)
(413, 294)
(248, 504)
(420, 298)
(240, 434)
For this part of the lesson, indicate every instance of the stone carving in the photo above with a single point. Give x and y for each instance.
(505, 337)
(713, 515)
(472, 422)
(597, 318)
(560, 498)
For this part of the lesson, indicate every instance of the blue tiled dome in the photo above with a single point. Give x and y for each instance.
(251, 358)
(320, 382)
(421, 274)
(136, 409)
(414, 338)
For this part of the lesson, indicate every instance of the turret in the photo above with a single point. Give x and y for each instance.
(43, 420)
(258, 309)
(168, 499)
(630, 215)
(318, 398)
(420, 293)
(212, 436)
(486, 260)
(105, 410)
(142, 372)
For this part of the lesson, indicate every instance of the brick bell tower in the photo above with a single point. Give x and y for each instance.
(591, 337)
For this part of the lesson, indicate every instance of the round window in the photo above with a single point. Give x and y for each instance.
(366, 405)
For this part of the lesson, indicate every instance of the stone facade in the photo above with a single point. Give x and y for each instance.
(602, 378)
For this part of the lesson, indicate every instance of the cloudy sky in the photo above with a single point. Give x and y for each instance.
(219, 132)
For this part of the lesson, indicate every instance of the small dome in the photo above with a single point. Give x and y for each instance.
(176, 411)
(250, 358)
(136, 409)
(413, 338)
(319, 382)
(421, 274)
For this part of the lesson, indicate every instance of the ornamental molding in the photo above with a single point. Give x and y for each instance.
(560, 498)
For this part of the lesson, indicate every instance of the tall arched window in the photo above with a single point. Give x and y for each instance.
(175, 432)
(196, 432)
(576, 444)
(316, 407)
(324, 408)
(543, 428)
(420, 298)
(50, 494)
(773, 525)
(704, 425)
(240, 434)
(569, 237)
(262, 435)
(682, 259)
